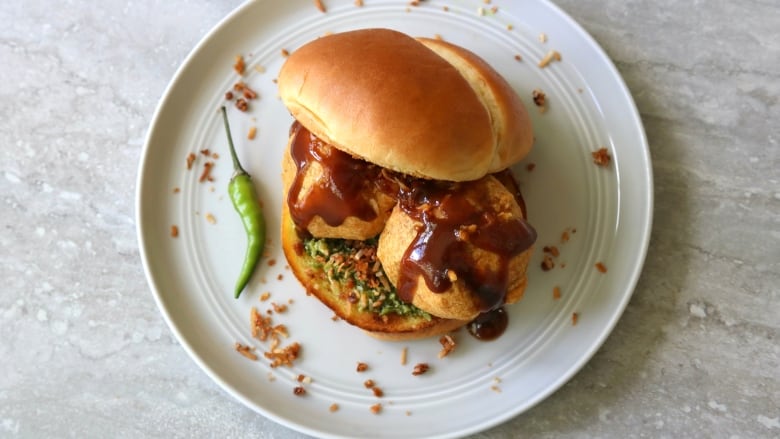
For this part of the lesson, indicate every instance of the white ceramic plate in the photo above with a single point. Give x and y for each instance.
(479, 385)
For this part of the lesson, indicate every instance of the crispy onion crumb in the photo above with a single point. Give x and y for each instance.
(447, 345)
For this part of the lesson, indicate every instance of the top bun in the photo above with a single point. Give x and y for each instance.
(423, 107)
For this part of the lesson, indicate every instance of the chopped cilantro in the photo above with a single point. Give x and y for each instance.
(352, 266)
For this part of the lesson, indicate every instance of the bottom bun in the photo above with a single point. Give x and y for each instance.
(348, 304)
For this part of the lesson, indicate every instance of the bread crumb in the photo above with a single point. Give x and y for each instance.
(368, 383)
(556, 292)
(518, 57)
(530, 167)
(239, 65)
(285, 356)
(542, 37)
(265, 296)
(320, 6)
(601, 267)
(404, 353)
(447, 345)
(509, 27)
(206, 174)
(377, 392)
(333, 407)
(190, 160)
(495, 389)
(540, 99)
(246, 351)
(174, 231)
(547, 263)
(361, 367)
(176, 190)
(601, 157)
(252, 133)
(575, 316)
(420, 368)
(359, 3)
(210, 218)
(261, 327)
(549, 57)
(376, 409)
(299, 391)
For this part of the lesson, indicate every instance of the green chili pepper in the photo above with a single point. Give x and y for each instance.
(244, 197)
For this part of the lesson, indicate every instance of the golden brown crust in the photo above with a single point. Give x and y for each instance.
(459, 302)
(391, 327)
(386, 97)
(352, 227)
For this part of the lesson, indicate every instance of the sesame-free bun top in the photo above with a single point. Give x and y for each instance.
(422, 107)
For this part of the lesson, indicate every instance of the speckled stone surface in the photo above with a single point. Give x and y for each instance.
(84, 352)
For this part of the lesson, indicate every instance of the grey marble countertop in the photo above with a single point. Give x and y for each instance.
(84, 351)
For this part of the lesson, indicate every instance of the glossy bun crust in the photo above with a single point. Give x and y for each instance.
(424, 107)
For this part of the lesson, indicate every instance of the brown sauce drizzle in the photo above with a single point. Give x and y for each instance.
(489, 325)
(339, 193)
(443, 209)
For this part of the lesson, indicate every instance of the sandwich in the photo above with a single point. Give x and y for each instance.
(401, 214)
